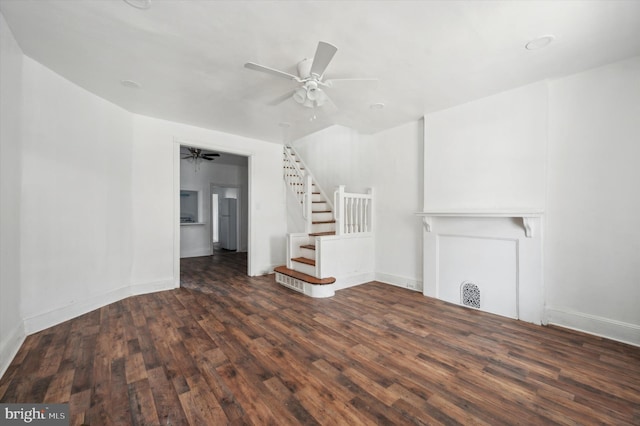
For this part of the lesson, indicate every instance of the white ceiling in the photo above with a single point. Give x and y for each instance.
(188, 55)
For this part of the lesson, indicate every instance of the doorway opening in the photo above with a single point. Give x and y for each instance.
(219, 182)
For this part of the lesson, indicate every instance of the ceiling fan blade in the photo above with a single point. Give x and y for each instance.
(324, 54)
(211, 155)
(207, 158)
(280, 99)
(272, 71)
(188, 156)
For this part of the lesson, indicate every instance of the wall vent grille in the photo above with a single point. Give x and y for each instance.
(470, 295)
(290, 282)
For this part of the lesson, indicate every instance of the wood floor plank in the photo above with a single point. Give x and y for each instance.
(229, 349)
(198, 407)
(60, 387)
(141, 403)
(168, 407)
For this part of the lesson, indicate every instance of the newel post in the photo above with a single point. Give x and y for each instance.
(339, 206)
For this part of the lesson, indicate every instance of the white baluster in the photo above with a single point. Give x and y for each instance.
(352, 227)
(366, 214)
(358, 214)
(340, 210)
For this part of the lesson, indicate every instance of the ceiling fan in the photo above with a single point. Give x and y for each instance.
(199, 154)
(311, 92)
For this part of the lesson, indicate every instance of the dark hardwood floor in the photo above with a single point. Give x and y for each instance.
(228, 349)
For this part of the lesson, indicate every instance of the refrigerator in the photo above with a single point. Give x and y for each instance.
(228, 224)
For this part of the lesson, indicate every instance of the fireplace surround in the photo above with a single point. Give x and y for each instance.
(499, 252)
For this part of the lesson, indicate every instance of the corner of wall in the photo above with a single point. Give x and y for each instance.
(10, 345)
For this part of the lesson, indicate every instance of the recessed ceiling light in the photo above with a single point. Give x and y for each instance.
(377, 105)
(130, 83)
(139, 4)
(540, 42)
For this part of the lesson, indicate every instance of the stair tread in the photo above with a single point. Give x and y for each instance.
(320, 234)
(304, 260)
(321, 211)
(304, 277)
(317, 222)
(308, 246)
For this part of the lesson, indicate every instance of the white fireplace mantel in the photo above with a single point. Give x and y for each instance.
(498, 250)
(527, 216)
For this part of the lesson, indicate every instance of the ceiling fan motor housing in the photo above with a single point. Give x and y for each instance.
(304, 68)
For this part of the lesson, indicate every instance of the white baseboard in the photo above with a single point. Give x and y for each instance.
(353, 280)
(269, 269)
(48, 319)
(10, 345)
(152, 287)
(399, 281)
(599, 326)
(195, 253)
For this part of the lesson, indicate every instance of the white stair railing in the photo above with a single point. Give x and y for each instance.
(301, 184)
(294, 176)
(354, 212)
(303, 166)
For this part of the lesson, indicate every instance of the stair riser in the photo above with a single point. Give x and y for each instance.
(322, 217)
(304, 268)
(320, 206)
(308, 253)
(323, 227)
(317, 197)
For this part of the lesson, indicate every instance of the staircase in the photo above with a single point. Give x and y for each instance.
(311, 256)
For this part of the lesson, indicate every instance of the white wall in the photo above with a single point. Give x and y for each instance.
(569, 147)
(156, 144)
(592, 249)
(88, 194)
(11, 327)
(397, 178)
(76, 222)
(488, 154)
(336, 156)
(195, 240)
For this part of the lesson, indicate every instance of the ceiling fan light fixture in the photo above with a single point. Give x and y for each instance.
(321, 97)
(312, 94)
(300, 95)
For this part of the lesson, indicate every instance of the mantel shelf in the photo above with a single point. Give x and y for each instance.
(527, 216)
